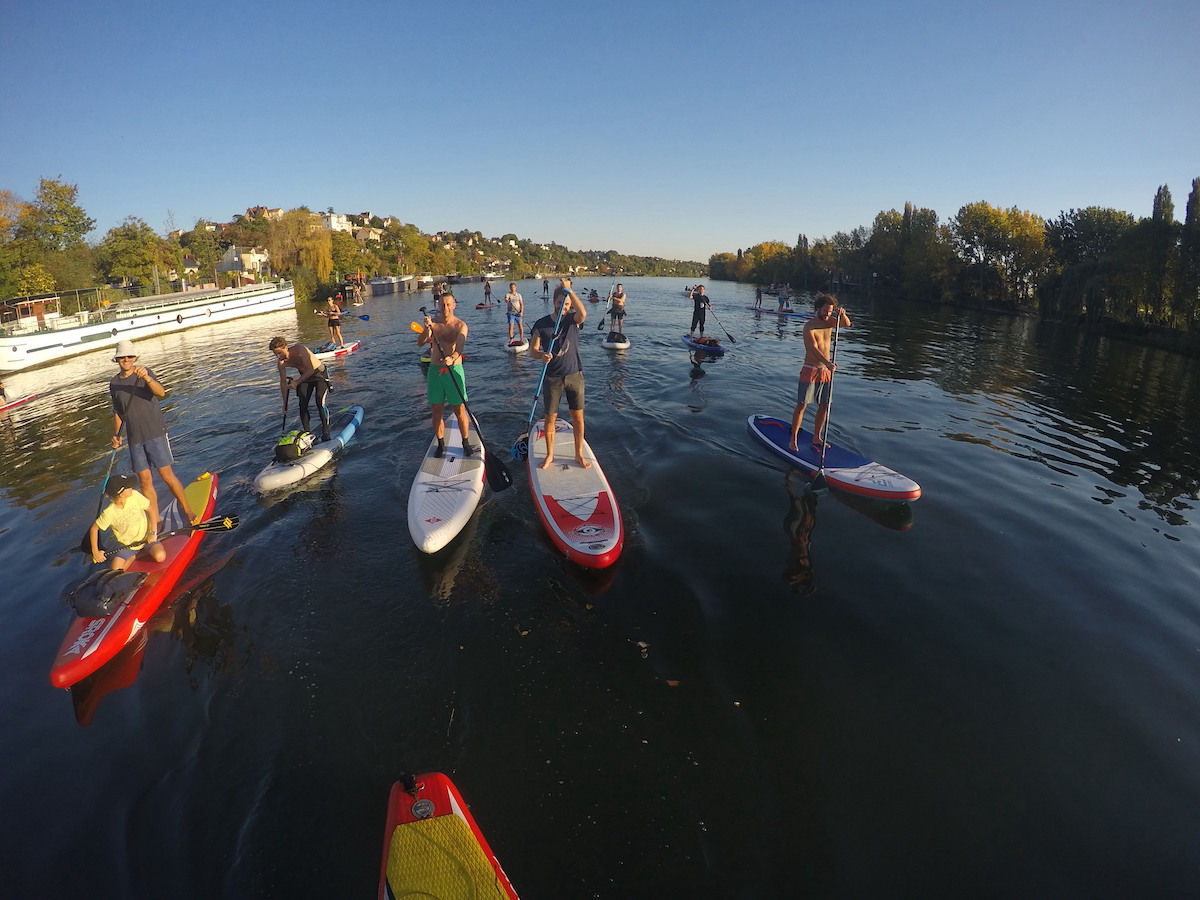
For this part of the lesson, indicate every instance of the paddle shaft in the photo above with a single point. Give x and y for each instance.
(829, 404)
(545, 366)
(732, 339)
(216, 523)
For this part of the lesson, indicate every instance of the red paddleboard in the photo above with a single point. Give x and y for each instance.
(330, 350)
(432, 846)
(577, 507)
(91, 642)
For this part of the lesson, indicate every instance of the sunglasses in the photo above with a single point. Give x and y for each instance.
(119, 358)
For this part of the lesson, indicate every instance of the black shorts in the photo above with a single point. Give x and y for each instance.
(554, 388)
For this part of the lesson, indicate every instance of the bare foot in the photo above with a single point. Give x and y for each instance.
(792, 446)
(546, 463)
(192, 517)
(583, 463)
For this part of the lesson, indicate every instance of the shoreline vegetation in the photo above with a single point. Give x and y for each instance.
(1099, 269)
(43, 250)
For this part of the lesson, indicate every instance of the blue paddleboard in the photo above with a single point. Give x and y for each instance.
(844, 468)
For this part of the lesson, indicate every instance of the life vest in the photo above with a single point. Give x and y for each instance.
(293, 445)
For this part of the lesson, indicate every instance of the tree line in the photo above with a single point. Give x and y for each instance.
(44, 248)
(1094, 265)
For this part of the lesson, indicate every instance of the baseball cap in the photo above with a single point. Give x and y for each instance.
(118, 483)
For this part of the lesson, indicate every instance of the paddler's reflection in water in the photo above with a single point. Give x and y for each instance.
(799, 523)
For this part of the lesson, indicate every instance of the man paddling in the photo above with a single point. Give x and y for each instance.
(618, 310)
(699, 305)
(313, 378)
(135, 392)
(564, 368)
(515, 310)
(446, 383)
(816, 375)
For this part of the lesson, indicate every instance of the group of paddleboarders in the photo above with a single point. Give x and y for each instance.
(133, 512)
(554, 339)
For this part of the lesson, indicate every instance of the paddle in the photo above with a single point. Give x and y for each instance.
(498, 477)
(85, 543)
(520, 447)
(607, 307)
(216, 523)
(820, 483)
(732, 339)
(344, 315)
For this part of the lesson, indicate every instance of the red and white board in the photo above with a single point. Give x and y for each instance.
(576, 505)
(844, 468)
(432, 846)
(93, 641)
(330, 350)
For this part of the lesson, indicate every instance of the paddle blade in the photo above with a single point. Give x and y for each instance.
(498, 477)
(218, 523)
(364, 318)
(416, 327)
(520, 449)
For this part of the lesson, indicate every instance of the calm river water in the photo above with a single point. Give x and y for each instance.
(988, 692)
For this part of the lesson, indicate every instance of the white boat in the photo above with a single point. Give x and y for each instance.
(34, 332)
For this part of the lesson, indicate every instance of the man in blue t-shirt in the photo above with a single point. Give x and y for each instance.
(564, 369)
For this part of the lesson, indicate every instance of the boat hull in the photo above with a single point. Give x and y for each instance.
(72, 335)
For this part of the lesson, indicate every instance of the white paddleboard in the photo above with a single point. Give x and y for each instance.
(517, 346)
(278, 475)
(445, 491)
(577, 506)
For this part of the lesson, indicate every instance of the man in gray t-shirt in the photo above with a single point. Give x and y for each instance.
(135, 392)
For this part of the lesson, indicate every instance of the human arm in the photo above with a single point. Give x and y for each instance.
(94, 539)
(152, 383)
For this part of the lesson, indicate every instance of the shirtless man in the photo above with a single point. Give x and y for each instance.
(313, 377)
(447, 336)
(618, 309)
(816, 375)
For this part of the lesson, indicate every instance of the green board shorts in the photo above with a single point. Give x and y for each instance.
(446, 384)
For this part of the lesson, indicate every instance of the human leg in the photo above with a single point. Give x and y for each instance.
(322, 391)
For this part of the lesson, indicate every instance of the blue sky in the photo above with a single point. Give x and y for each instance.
(677, 129)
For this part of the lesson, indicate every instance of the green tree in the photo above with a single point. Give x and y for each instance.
(346, 254)
(130, 252)
(205, 247)
(55, 220)
(1163, 238)
(1187, 281)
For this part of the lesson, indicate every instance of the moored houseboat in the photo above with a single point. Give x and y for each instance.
(33, 331)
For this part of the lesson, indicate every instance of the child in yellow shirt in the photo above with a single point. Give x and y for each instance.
(134, 523)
